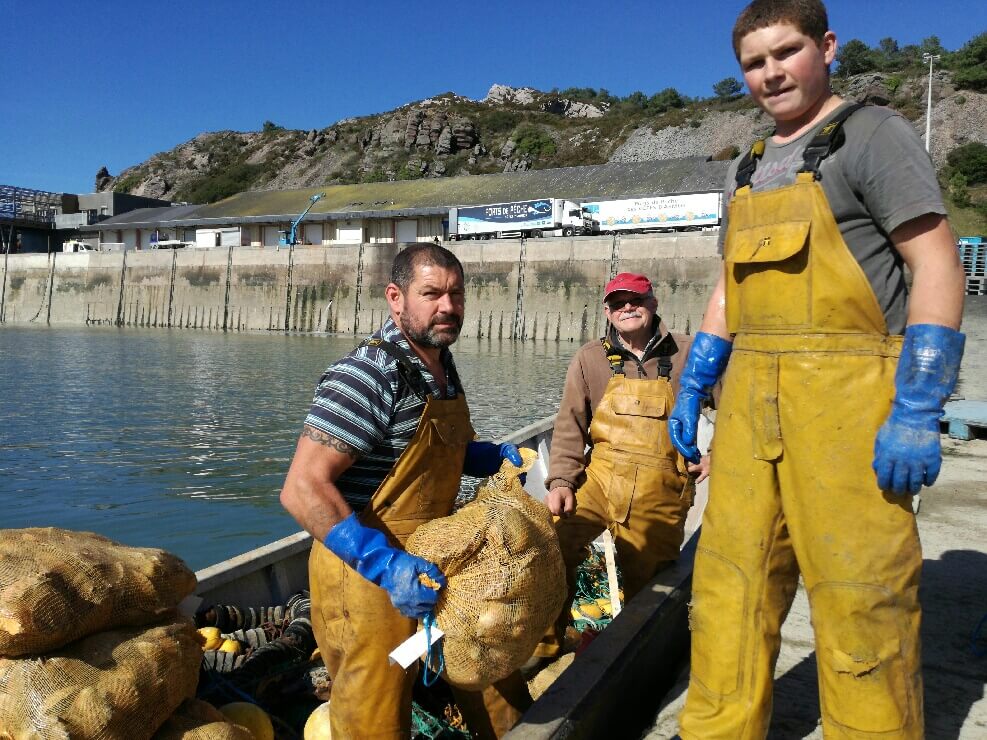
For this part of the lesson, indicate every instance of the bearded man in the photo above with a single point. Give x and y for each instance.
(382, 450)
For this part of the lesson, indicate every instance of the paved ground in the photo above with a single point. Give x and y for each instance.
(953, 526)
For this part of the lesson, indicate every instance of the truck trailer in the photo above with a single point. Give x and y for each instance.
(685, 212)
(528, 218)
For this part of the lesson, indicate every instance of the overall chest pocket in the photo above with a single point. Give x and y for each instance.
(769, 278)
(430, 471)
(640, 423)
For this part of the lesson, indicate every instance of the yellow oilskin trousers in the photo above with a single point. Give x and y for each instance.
(636, 486)
(355, 624)
(810, 381)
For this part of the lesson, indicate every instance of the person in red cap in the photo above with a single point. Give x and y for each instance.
(612, 464)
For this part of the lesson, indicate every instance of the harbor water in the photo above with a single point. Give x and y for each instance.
(181, 440)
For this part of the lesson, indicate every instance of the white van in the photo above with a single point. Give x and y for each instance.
(77, 245)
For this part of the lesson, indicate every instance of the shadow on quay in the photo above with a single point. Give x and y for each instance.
(954, 601)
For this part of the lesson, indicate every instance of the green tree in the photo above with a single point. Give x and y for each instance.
(534, 142)
(270, 126)
(375, 175)
(665, 100)
(636, 99)
(728, 88)
(410, 172)
(854, 58)
(970, 65)
(969, 160)
(500, 120)
(910, 57)
(931, 45)
(958, 190)
(890, 54)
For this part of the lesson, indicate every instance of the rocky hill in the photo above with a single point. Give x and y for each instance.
(512, 129)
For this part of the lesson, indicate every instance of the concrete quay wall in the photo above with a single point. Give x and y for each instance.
(547, 289)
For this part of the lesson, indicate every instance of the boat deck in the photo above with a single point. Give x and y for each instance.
(953, 528)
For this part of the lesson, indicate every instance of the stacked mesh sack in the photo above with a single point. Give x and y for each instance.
(506, 580)
(91, 645)
(200, 720)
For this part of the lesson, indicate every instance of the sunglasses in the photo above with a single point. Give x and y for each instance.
(616, 305)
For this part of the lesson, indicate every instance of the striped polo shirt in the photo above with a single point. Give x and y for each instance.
(363, 401)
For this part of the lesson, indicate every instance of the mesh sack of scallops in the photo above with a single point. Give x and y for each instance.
(121, 683)
(200, 720)
(505, 578)
(58, 585)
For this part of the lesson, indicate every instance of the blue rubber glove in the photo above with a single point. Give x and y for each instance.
(483, 458)
(366, 551)
(704, 366)
(906, 451)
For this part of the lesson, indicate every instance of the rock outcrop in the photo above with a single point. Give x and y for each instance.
(449, 135)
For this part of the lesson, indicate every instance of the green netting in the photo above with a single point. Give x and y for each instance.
(592, 586)
(425, 726)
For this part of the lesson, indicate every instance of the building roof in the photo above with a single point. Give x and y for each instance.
(434, 196)
(143, 217)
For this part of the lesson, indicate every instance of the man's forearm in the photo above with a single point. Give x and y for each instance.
(715, 318)
(317, 508)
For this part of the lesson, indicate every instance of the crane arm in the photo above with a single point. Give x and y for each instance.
(290, 236)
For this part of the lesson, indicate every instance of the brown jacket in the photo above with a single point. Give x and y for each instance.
(585, 382)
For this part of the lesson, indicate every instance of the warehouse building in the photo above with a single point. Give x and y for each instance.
(38, 220)
(394, 212)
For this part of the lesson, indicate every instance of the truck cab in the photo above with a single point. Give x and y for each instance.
(529, 218)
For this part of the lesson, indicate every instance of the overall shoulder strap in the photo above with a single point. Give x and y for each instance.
(828, 140)
(407, 368)
(747, 165)
(615, 359)
(664, 366)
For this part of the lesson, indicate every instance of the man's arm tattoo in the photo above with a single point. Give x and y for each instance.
(324, 439)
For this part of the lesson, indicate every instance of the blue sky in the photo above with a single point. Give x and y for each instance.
(110, 83)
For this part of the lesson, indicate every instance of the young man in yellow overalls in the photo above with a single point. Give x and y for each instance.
(829, 418)
(382, 451)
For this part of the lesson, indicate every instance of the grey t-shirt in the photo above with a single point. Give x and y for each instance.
(880, 178)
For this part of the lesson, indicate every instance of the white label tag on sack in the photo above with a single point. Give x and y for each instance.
(414, 647)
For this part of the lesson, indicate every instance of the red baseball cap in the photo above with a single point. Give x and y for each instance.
(629, 281)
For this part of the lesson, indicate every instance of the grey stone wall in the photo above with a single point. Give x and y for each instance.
(545, 289)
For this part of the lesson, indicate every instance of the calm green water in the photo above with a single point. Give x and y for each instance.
(181, 440)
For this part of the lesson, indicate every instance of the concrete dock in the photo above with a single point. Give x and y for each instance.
(953, 527)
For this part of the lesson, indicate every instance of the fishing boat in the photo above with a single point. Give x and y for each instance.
(619, 683)
(630, 664)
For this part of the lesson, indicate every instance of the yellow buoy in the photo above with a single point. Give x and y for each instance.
(230, 646)
(589, 610)
(317, 726)
(212, 636)
(251, 717)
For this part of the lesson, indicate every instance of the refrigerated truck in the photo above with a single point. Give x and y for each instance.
(685, 212)
(528, 218)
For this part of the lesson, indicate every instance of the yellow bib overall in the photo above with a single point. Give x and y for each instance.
(355, 624)
(636, 487)
(809, 383)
